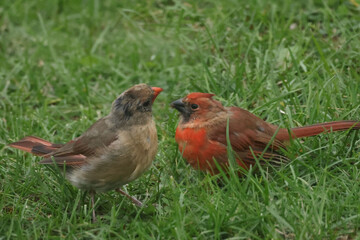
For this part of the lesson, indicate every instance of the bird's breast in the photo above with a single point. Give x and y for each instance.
(147, 141)
(196, 148)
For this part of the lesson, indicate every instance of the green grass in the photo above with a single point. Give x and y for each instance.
(292, 63)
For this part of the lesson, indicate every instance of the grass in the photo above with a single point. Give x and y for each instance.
(292, 63)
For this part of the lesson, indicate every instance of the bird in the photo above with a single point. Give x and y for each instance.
(201, 134)
(112, 152)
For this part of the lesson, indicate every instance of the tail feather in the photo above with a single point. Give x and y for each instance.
(35, 145)
(316, 129)
(35, 140)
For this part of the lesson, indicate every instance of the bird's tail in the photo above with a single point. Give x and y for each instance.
(35, 145)
(316, 129)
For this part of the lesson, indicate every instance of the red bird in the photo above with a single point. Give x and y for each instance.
(201, 133)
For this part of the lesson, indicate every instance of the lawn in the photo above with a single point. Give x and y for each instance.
(293, 63)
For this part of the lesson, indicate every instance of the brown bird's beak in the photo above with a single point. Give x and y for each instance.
(157, 91)
(178, 105)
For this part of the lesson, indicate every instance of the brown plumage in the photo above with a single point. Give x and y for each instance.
(201, 133)
(114, 151)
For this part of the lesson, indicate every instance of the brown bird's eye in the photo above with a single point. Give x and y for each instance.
(147, 103)
(194, 106)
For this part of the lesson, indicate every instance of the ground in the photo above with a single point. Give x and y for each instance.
(292, 63)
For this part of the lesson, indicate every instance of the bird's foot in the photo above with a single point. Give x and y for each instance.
(134, 200)
(92, 194)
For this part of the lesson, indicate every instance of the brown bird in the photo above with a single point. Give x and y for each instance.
(201, 134)
(114, 151)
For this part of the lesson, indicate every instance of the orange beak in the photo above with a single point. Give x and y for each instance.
(157, 91)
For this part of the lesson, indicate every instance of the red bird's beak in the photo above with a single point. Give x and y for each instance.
(157, 91)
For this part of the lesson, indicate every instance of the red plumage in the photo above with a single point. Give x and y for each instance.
(201, 133)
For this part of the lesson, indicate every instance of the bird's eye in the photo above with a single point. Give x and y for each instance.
(147, 103)
(194, 106)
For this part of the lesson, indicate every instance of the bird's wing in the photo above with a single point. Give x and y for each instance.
(74, 153)
(249, 138)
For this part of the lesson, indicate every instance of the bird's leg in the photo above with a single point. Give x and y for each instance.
(134, 200)
(92, 195)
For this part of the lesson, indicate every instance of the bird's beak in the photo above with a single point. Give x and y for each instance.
(178, 105)
(157, 91)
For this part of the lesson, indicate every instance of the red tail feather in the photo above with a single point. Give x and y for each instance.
(35, 145)
(316, 129)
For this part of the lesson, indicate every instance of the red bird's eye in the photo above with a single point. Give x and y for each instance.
(194, 106)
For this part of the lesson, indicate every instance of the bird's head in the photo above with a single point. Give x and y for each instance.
(135, 102)
(197, 106)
